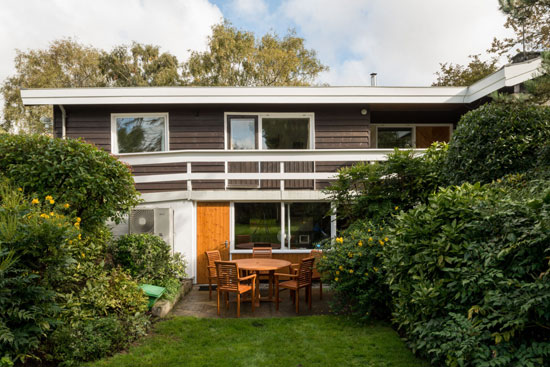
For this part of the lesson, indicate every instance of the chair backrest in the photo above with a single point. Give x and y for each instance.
(212, 257)
(305, 271)
(228, 275)
(316, 254)
(262, 253)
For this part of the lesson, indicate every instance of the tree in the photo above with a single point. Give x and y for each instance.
(237, 58)
(140, 65)
(65, 63)
(530, 22)
(539, 88)
(458, 75)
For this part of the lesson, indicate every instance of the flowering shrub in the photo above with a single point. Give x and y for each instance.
(469, 273)
(352, 264)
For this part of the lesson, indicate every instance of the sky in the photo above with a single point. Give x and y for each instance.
(403, 41)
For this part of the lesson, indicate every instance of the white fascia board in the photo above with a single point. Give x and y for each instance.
(506, 76)
(236, 195)
(240, 95)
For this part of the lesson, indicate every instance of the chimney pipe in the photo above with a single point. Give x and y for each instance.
(373, 79)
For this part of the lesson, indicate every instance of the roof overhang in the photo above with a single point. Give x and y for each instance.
(506, 76)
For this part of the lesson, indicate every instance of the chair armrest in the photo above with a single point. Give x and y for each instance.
(253, 276)
(285, 275)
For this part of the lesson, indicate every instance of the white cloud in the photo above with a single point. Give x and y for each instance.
(403, 41)
(176, 25)
(254, 8)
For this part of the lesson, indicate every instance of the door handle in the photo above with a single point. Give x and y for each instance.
(225, 244)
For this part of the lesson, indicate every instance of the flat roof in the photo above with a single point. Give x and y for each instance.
(506, 76)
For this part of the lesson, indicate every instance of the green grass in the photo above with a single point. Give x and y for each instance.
(296, 341)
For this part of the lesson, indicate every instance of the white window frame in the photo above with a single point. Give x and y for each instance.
(114, 136)
(413, 126)
(260, 116)
(284, 246)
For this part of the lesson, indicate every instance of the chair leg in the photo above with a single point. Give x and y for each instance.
(210, 289)
(309, 298)
(253, 300)
(297, 297)
(238, 305)
(218, 292)
(227, 300)
(321, 288)
(277, 296)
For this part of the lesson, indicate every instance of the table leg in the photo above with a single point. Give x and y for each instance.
(271, 276)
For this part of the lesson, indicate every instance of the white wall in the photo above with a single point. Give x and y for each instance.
(184, 229)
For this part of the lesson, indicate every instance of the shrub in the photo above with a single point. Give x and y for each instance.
(469, 273)
(352, 264)
(34, 240)
(372, 191)
(495, 140)
(95, 184)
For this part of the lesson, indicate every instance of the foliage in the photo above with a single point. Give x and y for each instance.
(34, 239)
(372, 191)
(529, 20)
(352, 265)
(147, 258)
(237, 58)
(469, 274)
(539, 88)
(497, 139)
(278, 341)
(139, 65)
(94, 184)
(64, 64)
(454, 75)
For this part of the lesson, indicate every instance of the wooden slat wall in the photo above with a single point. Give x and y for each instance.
(329, 167)
(243, 167)
(208, 167)
(343, 129)
(146, 188)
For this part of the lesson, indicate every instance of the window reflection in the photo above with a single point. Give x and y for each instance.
(243, 133)
(285, 133)
(307, 224)
(394, 137)
(141, 134)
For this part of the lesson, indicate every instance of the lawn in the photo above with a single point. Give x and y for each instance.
(296, 341)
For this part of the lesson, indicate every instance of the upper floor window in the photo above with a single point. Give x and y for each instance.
(270, 131)
(411, 136)
(139, 132)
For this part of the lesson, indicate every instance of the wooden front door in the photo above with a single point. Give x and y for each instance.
(212, 234)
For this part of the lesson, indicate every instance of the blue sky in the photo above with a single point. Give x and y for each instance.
(403, 41)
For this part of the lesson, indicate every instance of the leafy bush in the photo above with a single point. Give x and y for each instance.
(469, 273)
(147, 257)
(372, 191)
(352, 264)
(495, 140)
(95, 184)
(34, 240)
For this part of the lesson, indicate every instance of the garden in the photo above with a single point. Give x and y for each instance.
(451, 248)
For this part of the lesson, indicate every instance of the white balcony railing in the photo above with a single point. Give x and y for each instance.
(227, 156)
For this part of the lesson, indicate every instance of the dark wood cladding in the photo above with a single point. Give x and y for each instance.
(147, 188)
(208, 167)
(331, 166)
(416, 117)
(341, 130)
(243, 167)
(159, 169)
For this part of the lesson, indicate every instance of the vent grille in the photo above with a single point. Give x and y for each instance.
(142, 221)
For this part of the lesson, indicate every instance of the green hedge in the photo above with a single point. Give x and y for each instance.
(469, 274)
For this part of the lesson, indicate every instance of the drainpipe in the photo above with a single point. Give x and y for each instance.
(63, 122)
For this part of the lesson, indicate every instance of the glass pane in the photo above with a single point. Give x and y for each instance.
(307, 223)
(257, 223)
(243, 133)
(394, 137)
(285, 133)
(140, 134)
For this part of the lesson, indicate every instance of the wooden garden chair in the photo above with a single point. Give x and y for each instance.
(229, 281)
(301, 279)
(263, 252)
(212, 257)
(316, 254)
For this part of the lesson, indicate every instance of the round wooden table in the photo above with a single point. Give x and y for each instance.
(257, 265)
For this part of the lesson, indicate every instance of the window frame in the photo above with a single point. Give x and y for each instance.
(114, 135)
(256, 130)
(284, 246)
(413, 126)
(259, 117)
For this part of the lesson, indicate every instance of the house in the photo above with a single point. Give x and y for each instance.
(228, 167)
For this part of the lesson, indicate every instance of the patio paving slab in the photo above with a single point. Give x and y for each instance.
(196, 303)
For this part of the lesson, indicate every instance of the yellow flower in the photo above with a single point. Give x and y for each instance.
(83, 254)
(66, 206)
(52, 201)
(339, 240)
(351, 271)
(360, 243)
(78, 219)
(49, 197)
(52, 214)
(44, 215)
(370, 239)
(70, 242)
(396, 208)
(35, 201)
(20, 189)
(366, 274)
(336, 279)
(337, 272)
(375, 269)
(341, 267)
(369, 230)
(381, 242)
(386, 239)
(79, 236)
(77, 224)
(350, 254)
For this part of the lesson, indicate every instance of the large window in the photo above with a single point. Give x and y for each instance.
(270, 131)
(134, 133)
(304, 225)
(412, 136)
(395, 137)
